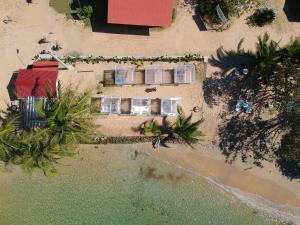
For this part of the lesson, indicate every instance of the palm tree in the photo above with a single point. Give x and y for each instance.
(8, 140)
(293, 49)
(185, 129)
(152, 128)
(67, 116)
(41, 151)
(267, 57)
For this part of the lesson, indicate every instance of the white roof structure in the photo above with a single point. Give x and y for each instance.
(110, 104)
(31, 117)
(154, 75)
(124, 75)
(140, 106)
(184, 74)
(168, 106)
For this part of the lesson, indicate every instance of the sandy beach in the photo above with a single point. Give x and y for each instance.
(183, 37)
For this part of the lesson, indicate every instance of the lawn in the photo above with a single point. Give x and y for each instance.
(62, 6)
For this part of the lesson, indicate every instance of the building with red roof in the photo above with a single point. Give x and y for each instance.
(37, 81)
(141, 12)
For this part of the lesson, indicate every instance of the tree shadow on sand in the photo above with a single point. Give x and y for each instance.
(223, 84)
(245, 136)
(249, 137)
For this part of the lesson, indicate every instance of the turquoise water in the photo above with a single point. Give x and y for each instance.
(110, 187)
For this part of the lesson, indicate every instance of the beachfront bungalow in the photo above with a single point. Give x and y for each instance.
(169, 106)
(154, 75)
(156, 13)
(124, 75)
(184, 74)
(140, 106)
(33, 85)
(110, 105)
(150, 75)
(137, 106)
(37, 80)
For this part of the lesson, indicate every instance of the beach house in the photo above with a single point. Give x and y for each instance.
(33, 85)
(157, 13)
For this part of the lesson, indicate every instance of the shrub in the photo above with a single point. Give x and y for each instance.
(88, 11)
(152, 128)
(262, 17)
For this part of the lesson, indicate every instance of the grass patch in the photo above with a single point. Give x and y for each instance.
(62, 6)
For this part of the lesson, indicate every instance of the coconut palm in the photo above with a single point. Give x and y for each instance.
(267, 57)
(185, 129)
(67, 116)
(293, 49)
(8, 140)
(41, 151)
(152, 128)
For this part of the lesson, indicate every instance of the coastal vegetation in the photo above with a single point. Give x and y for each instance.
(261, 17)
(73, 58)
(183, 129)
(230, 8)
(67, 123)
(271, 132)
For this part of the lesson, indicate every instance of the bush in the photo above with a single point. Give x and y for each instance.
(262, 17)
(88, 11)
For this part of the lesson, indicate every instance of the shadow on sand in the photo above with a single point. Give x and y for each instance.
(99, 23)
(291, 9)
(245, 136)
(11, 87)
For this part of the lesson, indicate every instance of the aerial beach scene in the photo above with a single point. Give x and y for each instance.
(150, 112)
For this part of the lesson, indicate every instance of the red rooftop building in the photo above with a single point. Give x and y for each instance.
(141, 12)
(38, 80)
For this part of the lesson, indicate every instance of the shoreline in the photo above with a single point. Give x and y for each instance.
(264, 193)
(278, 212)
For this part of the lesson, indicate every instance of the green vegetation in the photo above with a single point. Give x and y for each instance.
(67, 117)
(261, 17)
(73, 9)
(68, 123)
(135, 60)
(62, 6)
(88, 11)
(230, 8)
(185, 129)
(267, 56)
(152, 128)
(274, 79)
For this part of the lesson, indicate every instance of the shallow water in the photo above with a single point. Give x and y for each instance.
(114, 187)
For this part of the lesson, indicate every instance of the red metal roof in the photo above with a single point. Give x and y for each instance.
(36, 83)
(141, 12)
(45, 64)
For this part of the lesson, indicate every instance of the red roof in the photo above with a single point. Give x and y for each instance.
(141, 12)
(45, 64)
(36, 83)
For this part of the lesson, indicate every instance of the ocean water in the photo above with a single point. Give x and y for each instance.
(115, 187)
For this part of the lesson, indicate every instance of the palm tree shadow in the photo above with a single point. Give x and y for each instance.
(248, 138)
(226, 61)
(223, 83)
